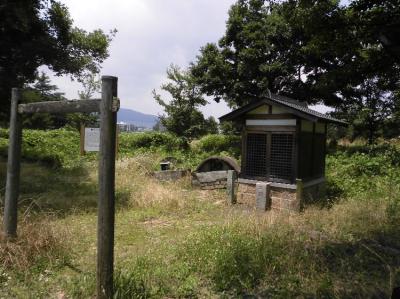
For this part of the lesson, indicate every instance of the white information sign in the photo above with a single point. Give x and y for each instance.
(92, 139)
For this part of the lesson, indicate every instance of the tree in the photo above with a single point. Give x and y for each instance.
(315, 51)
(158, 127)
(268, 47)
(378, 22)
(91, 84)
(42, 90)
(367, 107)
(211, 125)
(41, 32)
(182, 115)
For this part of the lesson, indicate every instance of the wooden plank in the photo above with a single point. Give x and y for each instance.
(244, 151)
(272, 128)
(13, 167)
(271, 116)
(271, 122)
(62, 107)
(268, 153)
(312, 164)
(296, 155)
(106, 205)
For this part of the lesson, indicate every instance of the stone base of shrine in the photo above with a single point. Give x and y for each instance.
(281, 197)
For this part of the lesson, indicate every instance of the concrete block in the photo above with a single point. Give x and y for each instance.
(262, 196)
(171, 175)
(230, 186)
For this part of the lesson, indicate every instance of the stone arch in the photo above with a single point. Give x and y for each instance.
(216, 163)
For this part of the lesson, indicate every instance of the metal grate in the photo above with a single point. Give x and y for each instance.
(281, 162)
(256, 155)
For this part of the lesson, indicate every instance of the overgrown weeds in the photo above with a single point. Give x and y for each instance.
(37, 246)
(134, 175)
(317, 254)
(173, 241)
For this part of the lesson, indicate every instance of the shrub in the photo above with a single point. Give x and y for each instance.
(215, 144)
(58, 148)
(364, 171)
(129, 142)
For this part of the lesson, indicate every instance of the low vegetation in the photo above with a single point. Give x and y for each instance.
(175, 241)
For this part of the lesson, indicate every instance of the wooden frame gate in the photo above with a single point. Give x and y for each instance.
(108, 106)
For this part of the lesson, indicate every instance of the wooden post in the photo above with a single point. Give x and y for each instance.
(82, 140)
(13, 167)
(230, 186)
(299, 193)
(106, 208)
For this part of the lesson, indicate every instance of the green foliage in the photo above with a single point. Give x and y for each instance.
(41, 32)
(229, 128)
(232, 258)
(138, 280)
(42, 90)
(361, 172)
(196, 247)
(167, 145)
(286, 47)
(91, 84)
(367, 107)
(216, 144)
(130, 142)
(58, 148)
(183, 118)
(270, 45)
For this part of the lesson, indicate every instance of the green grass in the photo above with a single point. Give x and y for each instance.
(174, 241)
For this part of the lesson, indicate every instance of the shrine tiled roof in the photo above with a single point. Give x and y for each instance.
(293, 106)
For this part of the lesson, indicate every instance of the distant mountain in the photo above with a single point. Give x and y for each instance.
(136, 118)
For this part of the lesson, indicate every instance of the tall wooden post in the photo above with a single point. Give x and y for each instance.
(13, 166)
(106, 208)
(299, 194)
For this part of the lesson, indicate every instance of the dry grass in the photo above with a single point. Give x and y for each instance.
(37, 240)
(163, 230)
(134, 177)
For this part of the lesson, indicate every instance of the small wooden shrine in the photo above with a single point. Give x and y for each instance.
(283, 142)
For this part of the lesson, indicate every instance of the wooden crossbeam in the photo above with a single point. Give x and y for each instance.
(62, 107)
(107, 106)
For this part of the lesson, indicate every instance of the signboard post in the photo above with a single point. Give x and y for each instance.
(101, 139)
(92, 139)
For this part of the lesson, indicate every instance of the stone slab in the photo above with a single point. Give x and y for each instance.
(171, 175)
(262, 196)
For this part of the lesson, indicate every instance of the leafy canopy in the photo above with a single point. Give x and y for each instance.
(42, 90)
(41, 32)
(311, 50)
(183, 117)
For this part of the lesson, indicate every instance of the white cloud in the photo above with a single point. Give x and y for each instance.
(152, 34)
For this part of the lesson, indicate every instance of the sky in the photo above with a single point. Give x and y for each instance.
(152, 34)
